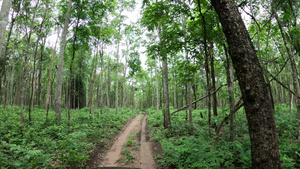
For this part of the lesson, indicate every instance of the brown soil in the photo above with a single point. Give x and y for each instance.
(132, 140)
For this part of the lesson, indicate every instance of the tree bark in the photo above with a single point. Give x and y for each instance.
(124, 77)
(6, 4)
(206, 67)
(50, 72)
(157, 89)
(59, 73)
(101, 80)
(108, 84)
(92, 96)
(34, 62)
(189, 83)
(166, 110)
(117, 80)
(229, 74)
(38, 96)
(23, 78)
(257, 101)
(213, 80)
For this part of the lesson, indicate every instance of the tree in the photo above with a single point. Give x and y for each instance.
(59, 73)
(257, 102)
(6, 4)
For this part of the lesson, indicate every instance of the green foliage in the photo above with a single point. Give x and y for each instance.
(186, 147)
(128, 156)
(43, 144)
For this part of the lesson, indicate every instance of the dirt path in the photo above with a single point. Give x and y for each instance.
(147, 160)
(131, 148)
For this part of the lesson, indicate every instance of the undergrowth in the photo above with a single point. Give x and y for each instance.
(43, 144)
(192, 147)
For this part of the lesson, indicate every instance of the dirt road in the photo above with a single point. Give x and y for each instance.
(131, 149)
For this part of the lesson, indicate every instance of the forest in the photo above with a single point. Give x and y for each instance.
(185, 84)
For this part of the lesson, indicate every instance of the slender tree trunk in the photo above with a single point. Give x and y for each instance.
(195, 95)
(277, 92)
(93, 85)
(108, 83)
(175, 90)
(12, 81)
(213, 86)
(124, 77)
(206, 67)
(23, 78)
(31, 102)
(101, 80)
(38, 96)
(50, 72)
(33, 79)
(117, 81)
(157, 89)
(229, 74)
(59, 73)
(71, 71)
(257, 101)
(189, 83)
(282, 90)
(293, 65)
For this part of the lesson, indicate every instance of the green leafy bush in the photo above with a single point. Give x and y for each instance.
(43, 144)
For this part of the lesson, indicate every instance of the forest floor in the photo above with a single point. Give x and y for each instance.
(131, 149)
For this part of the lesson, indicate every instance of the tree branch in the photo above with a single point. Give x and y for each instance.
(184, 107)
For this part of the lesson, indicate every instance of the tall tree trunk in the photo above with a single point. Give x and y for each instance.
(59, 73)
(189, 83)
(23, 78)
(12, 81)
(92, 96)
(34, 61)
(101, 80)
(293, 65)
(157, 89)
(38, 96)
(117, 81)
(71, 70)
(124, 77)
(213, 80)
(166, 110)
(6, 4)
(229, 74)
(3, 23)
(257, 101)
(108, 84)
(175, 90)
(50, 72)
(282, 90)
(195, 95)
(206, 67)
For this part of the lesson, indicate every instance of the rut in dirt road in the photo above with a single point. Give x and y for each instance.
(147, 160)
(143, 159)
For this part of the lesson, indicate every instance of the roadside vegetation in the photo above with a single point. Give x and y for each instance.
(43, 144)
(192, 147)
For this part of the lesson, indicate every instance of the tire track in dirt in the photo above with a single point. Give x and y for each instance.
(145, 159)
(113, 155)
